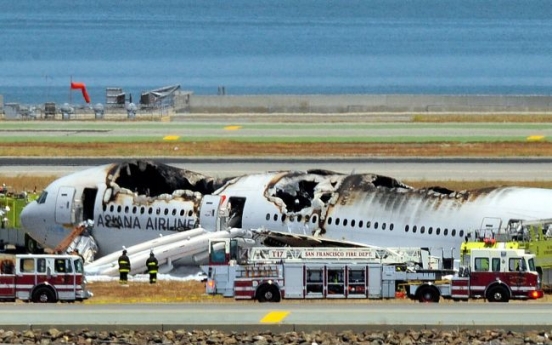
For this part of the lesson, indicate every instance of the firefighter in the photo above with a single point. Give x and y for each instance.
(124, 267)
(152, 266)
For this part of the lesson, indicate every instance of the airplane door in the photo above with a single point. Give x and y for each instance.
(64, 204)
(209, 212)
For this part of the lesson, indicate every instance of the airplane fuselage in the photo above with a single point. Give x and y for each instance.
(362, 208)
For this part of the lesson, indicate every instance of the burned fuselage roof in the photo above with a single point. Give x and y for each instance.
(153, 179)
(317, 188)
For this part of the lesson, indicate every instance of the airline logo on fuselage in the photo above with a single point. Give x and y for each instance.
(144, 223)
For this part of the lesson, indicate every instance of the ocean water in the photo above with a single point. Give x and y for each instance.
(274, 47)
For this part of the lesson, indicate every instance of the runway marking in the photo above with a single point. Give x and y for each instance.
(171, 137)
(274, 317)
(536, 138)
(232, 128)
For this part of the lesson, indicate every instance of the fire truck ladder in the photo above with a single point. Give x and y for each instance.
(363, 254)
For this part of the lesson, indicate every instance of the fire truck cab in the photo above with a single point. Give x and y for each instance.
(271, 274)
(498, 275)
(42, 278)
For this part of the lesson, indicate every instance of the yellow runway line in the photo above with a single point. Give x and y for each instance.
(535, 138)
(232, 128)
(171, 137)
(274, 317)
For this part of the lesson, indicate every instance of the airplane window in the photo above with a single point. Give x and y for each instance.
(104, 207)
(150, 210)
(190, 213)
(268, 216)
(414, 229)
(127, 209)
(453, 233)
(111, 208)
(406, 228)
(438, 231)
(344, 222)
(182, 213)
(330, 221)
(283, 218)
(383, 225)
(174, 212)
(360, 223)
(461, 234)
(158, 210)
(307, 218)
(142, 210)
(422, 230)
(337, 221)
(368, 225)
(134, 210)
(375, 225)
(299, 218)
(445, 232)
(275, 217)
(42, 198)
(352, 223)
(166, 212)
(430, 230)
(314, 219)
(391, 226)
(291, 218)
(119, 209)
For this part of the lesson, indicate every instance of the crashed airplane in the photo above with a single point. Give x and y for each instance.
(134, 203)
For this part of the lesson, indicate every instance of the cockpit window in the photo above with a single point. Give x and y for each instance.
(42, 198)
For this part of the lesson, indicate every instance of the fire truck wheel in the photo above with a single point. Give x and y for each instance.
(428, 294)
(268, 293)
(44, 295)
(498, 294)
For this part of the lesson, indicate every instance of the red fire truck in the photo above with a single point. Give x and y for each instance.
(270, 274)
(42, 278)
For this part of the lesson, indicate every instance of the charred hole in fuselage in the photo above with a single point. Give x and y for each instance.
(297, 197)
(388, 182)
(440, 190)
(153, 179)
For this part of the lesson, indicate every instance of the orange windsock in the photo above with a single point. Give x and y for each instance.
(82, 87)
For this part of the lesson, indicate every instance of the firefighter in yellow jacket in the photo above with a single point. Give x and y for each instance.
(124, 267)
(152, 266)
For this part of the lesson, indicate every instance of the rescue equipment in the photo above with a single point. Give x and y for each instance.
(270, 274)
(42, 278)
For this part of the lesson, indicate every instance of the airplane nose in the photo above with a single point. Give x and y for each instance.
(27, 216)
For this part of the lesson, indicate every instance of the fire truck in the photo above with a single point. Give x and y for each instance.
(534, 236)
(42, 278)
(270, 274)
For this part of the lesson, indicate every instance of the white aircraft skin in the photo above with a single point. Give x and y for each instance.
(365, 209)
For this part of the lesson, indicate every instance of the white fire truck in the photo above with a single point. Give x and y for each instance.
(42, 278)
(270, 274)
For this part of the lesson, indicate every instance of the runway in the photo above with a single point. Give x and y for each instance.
(411, 169)
(305, 316)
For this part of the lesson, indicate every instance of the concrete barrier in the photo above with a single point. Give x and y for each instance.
(363, 103)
